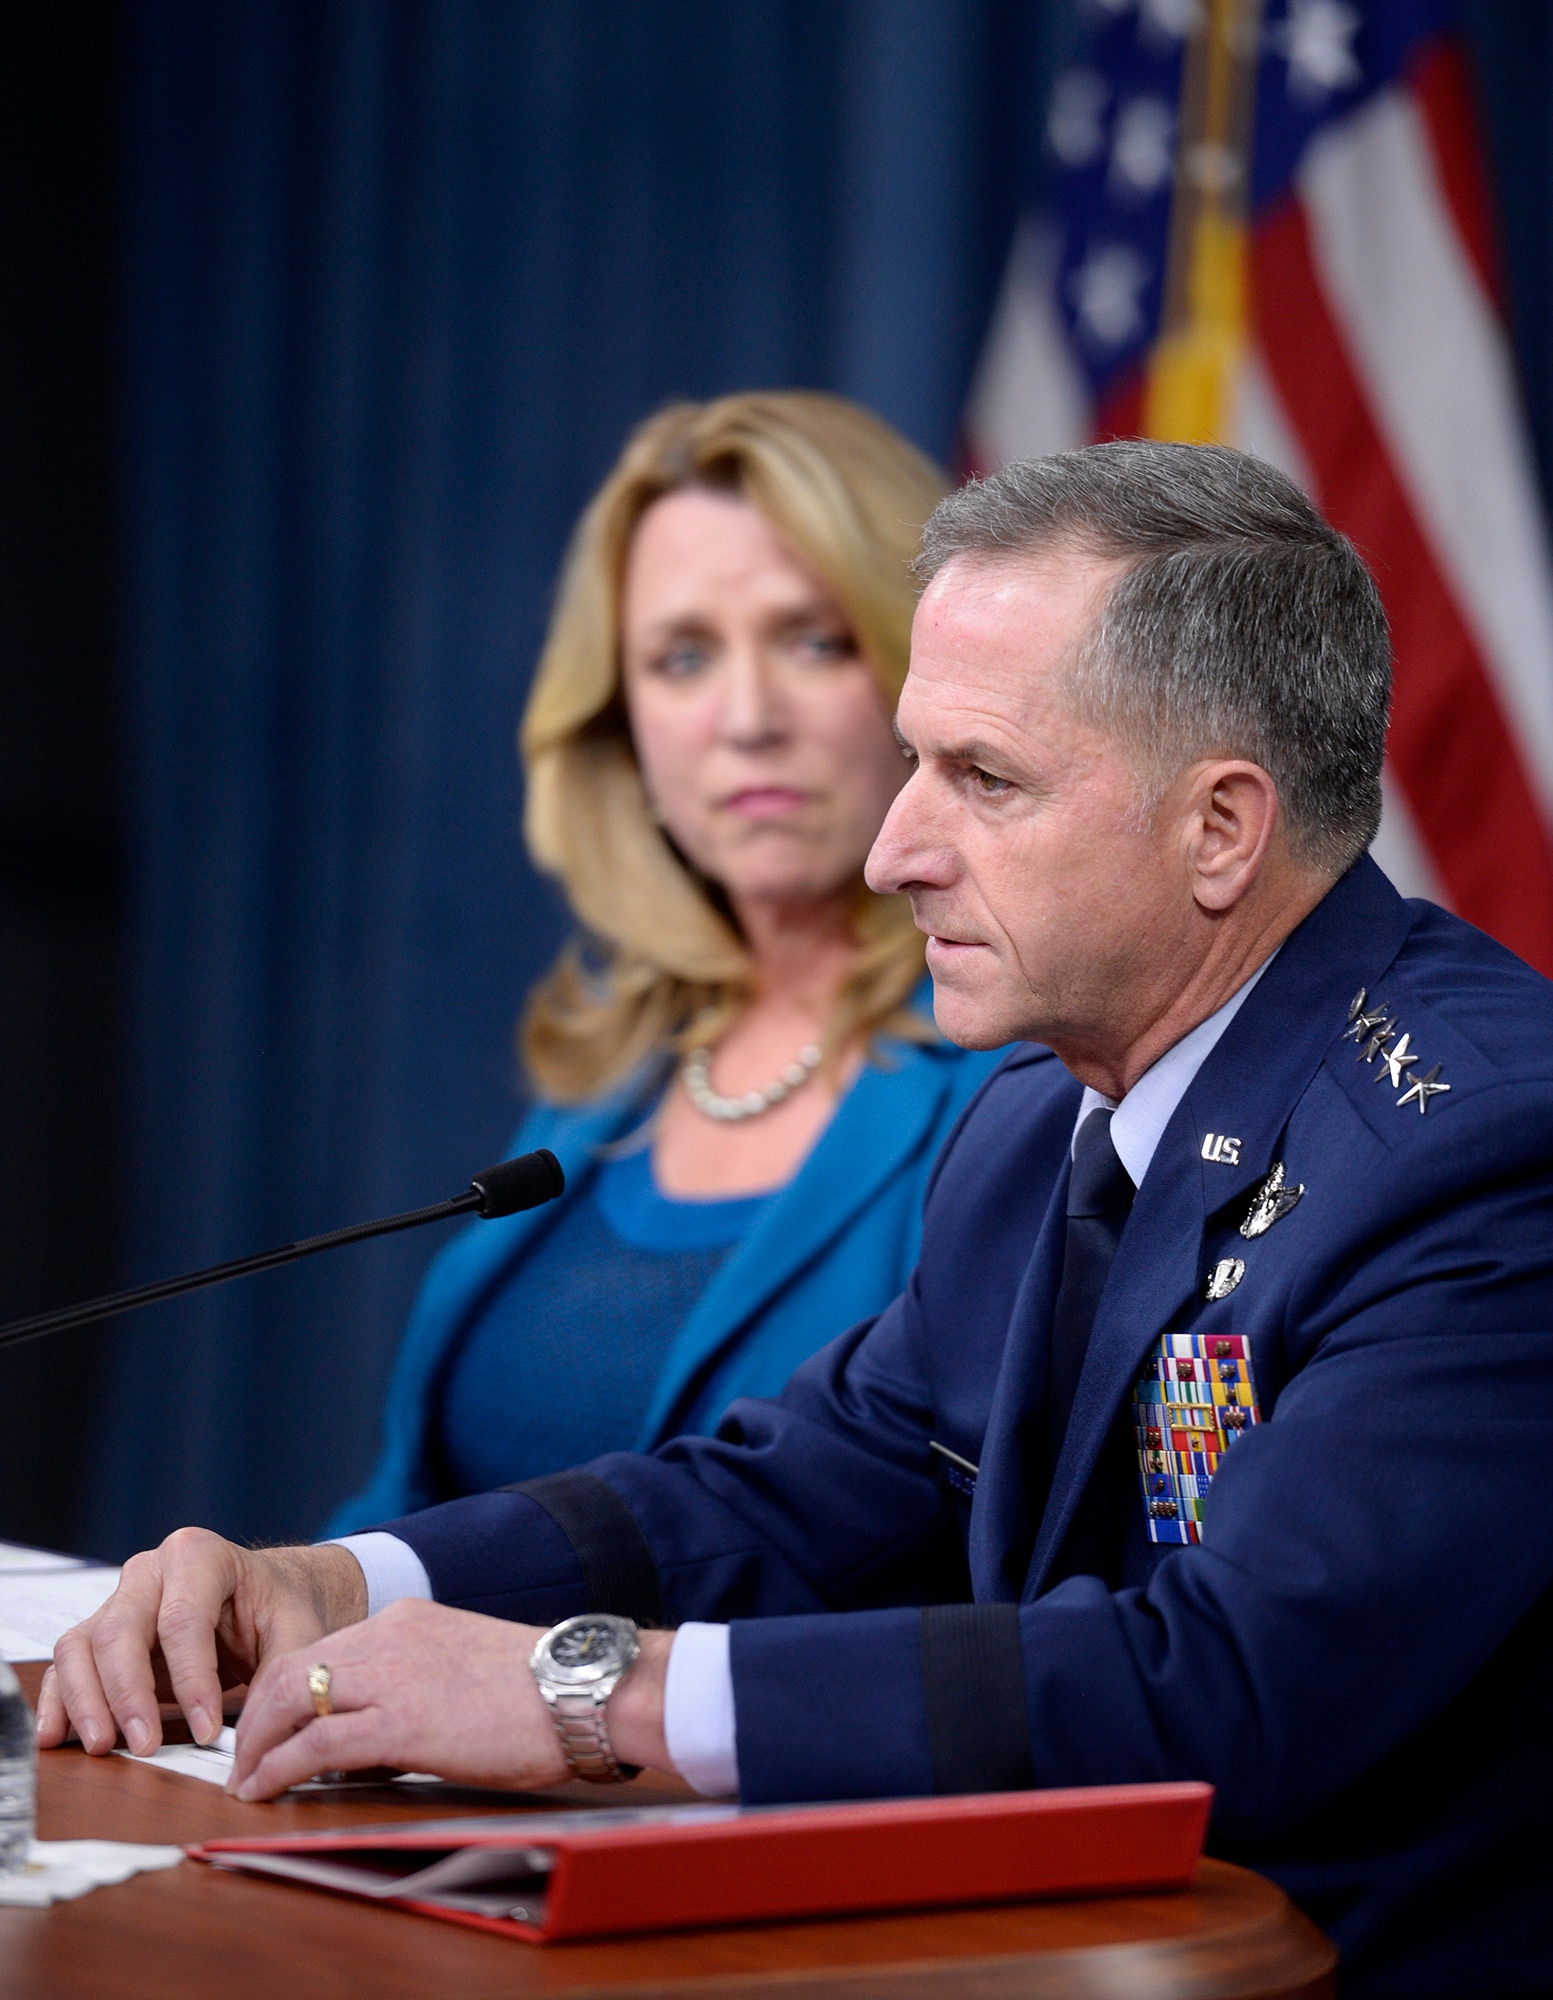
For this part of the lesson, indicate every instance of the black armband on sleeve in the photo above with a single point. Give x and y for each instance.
(973, 1685)
(619, 1570)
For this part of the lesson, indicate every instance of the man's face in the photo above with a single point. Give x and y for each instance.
(1055, 910)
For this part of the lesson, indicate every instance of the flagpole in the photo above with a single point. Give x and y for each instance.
(1194, 370)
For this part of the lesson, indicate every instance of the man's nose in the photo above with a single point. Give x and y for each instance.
(904, 854)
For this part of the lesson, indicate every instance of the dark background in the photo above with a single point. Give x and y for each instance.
(320, 322)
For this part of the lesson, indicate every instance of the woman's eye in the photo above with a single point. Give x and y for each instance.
(680, 662)
(827, 645)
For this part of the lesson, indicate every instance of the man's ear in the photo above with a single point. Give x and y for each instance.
(1230, 819)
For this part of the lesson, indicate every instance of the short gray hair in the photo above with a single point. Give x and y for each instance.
(1243, 626)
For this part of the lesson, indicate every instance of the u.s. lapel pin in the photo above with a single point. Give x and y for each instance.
(1224, 1277)
(1271, 1203)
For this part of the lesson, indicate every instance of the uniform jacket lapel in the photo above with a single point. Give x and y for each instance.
(1248, 1086)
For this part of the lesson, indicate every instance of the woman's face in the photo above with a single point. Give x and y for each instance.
(764, 742)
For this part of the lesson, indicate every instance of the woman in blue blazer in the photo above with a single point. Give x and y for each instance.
(736, 1065)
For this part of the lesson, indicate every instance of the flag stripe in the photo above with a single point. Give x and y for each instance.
(1120, 414)
(1437, 377)
(1029, 397)
(1442, 87)
(1454, 755)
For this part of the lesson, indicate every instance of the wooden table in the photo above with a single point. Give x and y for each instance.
(196, 1931)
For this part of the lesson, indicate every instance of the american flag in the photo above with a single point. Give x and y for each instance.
(1269, 225)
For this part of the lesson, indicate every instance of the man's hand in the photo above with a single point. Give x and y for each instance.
(189, 1618)
(427, 1688)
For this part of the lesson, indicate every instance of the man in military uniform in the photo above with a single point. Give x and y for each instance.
(1213, 1437)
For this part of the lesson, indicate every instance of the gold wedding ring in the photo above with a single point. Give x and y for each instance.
(319, 1682)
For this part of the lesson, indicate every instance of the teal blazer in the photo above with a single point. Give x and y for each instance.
(834, 1247)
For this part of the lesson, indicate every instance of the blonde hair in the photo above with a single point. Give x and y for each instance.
(667, 968)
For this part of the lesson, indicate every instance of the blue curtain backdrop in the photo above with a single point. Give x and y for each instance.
(398, 279)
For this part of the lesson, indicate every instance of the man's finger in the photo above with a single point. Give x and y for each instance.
(52, 1720)
(170, 1599)
(279, 1704)
(352, 1742)
(87, 1700)
(192, 1603)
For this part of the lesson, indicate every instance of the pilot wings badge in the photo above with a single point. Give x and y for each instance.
(1271, 1203)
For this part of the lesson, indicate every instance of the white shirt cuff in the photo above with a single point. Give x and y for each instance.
(391, 1567)
(698, 1720)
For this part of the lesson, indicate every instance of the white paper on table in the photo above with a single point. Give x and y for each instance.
(213, 1763)
(210, 1761)
(58, 1871)
(14, 1556)
(37, 1606)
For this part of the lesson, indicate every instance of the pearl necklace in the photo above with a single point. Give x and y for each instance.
(696, 1074)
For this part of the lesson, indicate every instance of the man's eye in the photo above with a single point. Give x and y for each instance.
(986, 784)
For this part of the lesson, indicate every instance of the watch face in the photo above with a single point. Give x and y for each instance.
(588, 1648)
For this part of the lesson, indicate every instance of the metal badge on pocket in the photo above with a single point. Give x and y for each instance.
(1194, 1398)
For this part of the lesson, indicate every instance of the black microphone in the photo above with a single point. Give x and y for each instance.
(505, 1189)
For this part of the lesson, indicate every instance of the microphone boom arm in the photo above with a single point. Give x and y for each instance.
(505, 1189)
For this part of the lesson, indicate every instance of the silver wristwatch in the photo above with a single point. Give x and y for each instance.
(577, 1665)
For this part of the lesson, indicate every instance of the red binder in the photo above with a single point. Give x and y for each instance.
(548, 1875)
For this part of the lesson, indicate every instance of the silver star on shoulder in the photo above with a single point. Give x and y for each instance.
(1385, 1031)
(1393, 1062)
(1271, 1203)
(1365, 1022)
(1421, 1088)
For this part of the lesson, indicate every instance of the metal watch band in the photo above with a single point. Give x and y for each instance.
(579, 1721)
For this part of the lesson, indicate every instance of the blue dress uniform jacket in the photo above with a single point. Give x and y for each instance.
(1358, 1653)
(836, 1243)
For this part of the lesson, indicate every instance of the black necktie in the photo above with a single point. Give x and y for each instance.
(1100, 1194)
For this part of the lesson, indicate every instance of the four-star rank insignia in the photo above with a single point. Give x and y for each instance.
(1396, 1055)
(1271, 1203)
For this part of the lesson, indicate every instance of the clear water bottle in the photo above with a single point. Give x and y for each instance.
(18, 1773)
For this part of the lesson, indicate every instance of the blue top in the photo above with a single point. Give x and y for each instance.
(562, 1363)
(830, 1248)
